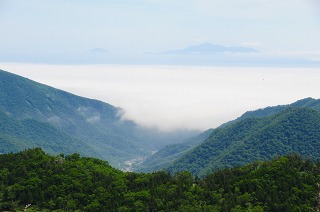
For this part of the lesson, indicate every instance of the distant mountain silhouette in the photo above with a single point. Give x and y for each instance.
(208, 48)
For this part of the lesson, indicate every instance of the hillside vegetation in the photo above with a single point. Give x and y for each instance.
(271, 110)
(293, 130)
(172, 157)
(166, 155)
(74, 183)
(36, 115)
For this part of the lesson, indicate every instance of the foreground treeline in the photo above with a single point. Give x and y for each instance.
(73, 183)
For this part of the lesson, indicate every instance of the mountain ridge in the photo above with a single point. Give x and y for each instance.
(295, 129)
(94, 122)
(167, 155)
(97, 125)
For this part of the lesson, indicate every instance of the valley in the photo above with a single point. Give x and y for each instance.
(160, 106)
(87, 142)
(66, 123)
(36, 115)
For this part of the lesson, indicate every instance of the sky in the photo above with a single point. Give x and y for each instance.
(63, 32)
(113, 51)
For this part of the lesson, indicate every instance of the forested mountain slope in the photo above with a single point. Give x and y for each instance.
(166, 155)
(271, 110)
(16, 135)
(170, 153)
(71, 183)
(96, 124)
(90, 127)
(295, 129)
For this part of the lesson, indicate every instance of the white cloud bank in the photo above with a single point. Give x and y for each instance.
(173, 97)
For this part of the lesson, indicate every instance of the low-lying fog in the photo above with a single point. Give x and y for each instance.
(179, 97)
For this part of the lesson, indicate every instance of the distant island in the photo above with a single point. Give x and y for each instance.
(208, 48)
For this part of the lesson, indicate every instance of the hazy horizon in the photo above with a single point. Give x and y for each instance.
(284, 33)
(178, 97)
(242, 55)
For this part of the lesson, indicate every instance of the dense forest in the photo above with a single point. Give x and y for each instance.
(74, 183)
(293, 130)
(166, 155)
(220, 147)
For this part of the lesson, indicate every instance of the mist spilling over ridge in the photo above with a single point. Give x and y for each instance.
(33, 114)
(178, 97)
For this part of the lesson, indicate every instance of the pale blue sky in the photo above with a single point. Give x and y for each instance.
(59, 31)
